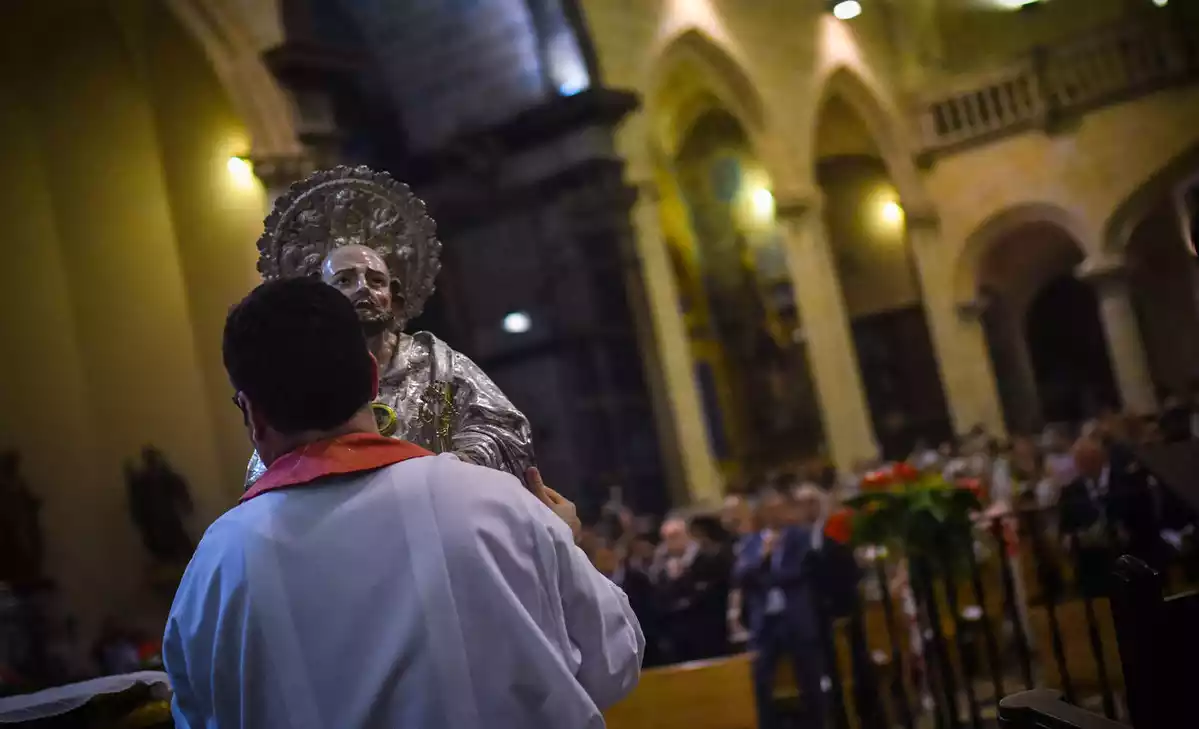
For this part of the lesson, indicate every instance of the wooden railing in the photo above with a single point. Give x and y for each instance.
(1055, 83)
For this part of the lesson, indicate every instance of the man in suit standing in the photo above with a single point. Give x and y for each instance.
(1107, 508)
(779, 609)
(688, 584)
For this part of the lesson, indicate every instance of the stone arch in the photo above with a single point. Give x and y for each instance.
(1017, 274)
(884, 123)
(234, 47)
(692, 75)
(994, 228)
(1124, 219)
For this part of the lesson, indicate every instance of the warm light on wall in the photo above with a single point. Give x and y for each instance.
(1014, 4)
(241, 170)
(892, 213)
(847, 9)
(763, 204)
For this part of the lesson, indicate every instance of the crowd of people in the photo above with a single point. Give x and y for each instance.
(756, 572)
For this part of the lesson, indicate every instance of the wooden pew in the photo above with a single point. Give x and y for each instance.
(1076, 644)
(716, 694)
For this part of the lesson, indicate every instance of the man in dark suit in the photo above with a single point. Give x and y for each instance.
(691, 589)
(1107, 509)
(778, 607)
(629, 575)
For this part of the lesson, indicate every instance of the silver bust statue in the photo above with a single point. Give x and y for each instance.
(368, 236)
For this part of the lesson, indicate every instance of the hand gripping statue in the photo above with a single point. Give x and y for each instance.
(368, 236)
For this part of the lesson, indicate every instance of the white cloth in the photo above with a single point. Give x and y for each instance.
(65, 699)
(431, 593)
(1002, 489)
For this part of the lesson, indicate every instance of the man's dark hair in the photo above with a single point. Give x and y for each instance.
(295, 348)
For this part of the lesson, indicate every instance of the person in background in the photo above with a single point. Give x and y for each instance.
(776, 581)
(739, 518)
(610, 559)
(715, 568)
(1058, 460)
(1108, 507)
(364, 582)
(924, 457)
(683, 579)
(1175, 419)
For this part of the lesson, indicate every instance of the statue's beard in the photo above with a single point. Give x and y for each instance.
(375, 320)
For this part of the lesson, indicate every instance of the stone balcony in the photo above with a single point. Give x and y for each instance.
(1053, 84)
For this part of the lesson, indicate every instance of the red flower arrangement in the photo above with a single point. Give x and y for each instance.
(839, 526)
(916, 511)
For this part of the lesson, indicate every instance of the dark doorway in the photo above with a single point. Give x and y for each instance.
(902, 380)
(1069, 352)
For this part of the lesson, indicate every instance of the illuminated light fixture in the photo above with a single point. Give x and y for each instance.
(763, 203)
(518, 322)
(892, 212)
(1161, 3)
(241, 170)
(847, 9)
(1016, 4)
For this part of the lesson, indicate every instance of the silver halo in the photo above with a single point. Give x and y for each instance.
(347, 206)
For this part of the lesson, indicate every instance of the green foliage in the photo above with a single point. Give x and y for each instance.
(916, 514)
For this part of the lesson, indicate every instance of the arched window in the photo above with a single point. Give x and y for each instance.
(564, 62)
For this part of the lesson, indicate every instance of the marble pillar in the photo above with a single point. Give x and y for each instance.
(1015, 379)
(682, 420)
(824, 322)
(957, 333)
(1125, 347)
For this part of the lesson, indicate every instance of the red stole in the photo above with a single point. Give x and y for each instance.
(345, 454)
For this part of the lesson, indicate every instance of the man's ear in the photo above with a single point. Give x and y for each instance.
(254, 419)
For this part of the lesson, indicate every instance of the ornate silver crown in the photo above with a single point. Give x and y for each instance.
(346, 206)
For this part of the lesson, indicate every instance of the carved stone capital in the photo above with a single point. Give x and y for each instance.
(972, 310)
(797, 207)
(278, 172)
(922, 219)
(1106, 276)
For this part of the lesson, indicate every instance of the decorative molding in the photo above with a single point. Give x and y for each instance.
(1105, 275)
(973, 310)
(796, 207)
(922, 219)
(277, 172)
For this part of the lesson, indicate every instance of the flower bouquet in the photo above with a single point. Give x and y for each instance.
(915, 512)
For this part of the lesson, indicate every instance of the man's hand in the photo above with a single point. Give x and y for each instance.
(768, 542)
(558, 503)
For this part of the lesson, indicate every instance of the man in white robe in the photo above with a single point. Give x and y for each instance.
(363, 581)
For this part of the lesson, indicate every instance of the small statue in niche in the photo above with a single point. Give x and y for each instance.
(21, 544)
(160, 503)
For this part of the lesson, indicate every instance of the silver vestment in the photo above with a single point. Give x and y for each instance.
(484, 427)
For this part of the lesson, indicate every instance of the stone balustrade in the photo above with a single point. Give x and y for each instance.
(1051, 84)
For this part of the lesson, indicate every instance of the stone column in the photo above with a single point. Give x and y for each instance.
(825, 326)
(1131, 368)
(1015, 379)
(956, 331)
(682, 423)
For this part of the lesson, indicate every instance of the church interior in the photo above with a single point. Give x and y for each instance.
(707, 247)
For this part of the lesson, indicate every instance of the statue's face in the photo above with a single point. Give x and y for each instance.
(361, 274)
